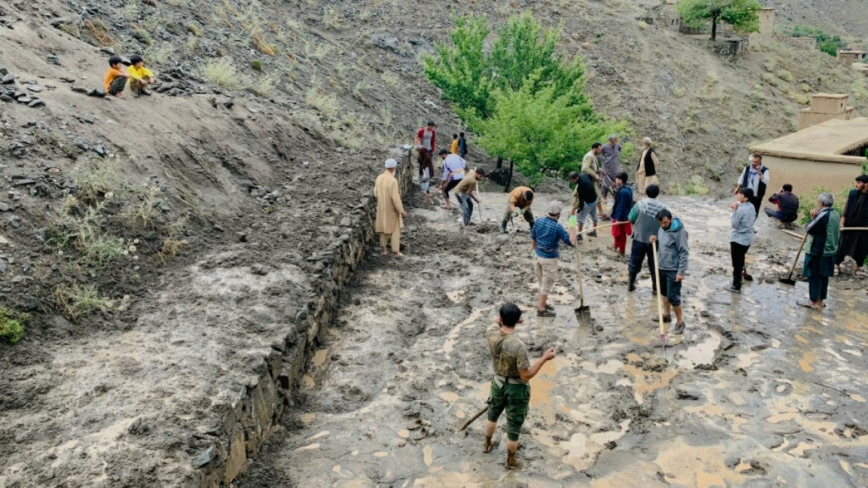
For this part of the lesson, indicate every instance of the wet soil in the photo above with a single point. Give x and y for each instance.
(759, 392)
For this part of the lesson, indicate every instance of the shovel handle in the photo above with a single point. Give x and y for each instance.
(659, 291)
(472, 419)
(795, 261)
(579, 272)
(602, 227)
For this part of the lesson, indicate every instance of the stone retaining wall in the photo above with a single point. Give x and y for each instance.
(249, 421)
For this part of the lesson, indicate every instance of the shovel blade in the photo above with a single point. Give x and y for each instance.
(788, 281)
(583, 315)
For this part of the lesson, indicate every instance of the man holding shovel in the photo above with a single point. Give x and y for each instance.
(645, 225)
(822, 244)
(546, 236)
(520, 201)
(672, 254)
(464, 192)
(510, 390)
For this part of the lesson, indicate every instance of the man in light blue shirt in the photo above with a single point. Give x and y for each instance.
(743, 218)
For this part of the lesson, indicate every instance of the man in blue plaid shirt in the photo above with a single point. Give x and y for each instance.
(547, 235)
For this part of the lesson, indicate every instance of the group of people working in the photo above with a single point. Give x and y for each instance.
(651, 225)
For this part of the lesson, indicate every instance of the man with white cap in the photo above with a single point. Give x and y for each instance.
(390, 210)
(546, 236)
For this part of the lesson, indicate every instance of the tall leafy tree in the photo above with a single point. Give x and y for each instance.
(740, 14)
(541, 131)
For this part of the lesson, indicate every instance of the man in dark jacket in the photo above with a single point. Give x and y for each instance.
(854, 243)
(672, 255)
(584, 201)
(788, 206)
(621, 213)
(821, 247)
(462, 145)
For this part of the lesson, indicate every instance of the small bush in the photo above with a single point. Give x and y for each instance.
(770, 79)
(785, 75)
(194, 29)
(332, 20)
(263, 46)
(264, 86)
(79, 301)
(326, 104)
(808, 201)
(143, 36)
(98, 31)
(221, 72)
(11, 325)
(256, 65)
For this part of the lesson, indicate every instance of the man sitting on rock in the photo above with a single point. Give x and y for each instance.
(788, 207)
(140, 77)
(116, 77)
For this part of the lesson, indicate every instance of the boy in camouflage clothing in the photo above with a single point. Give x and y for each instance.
(510, 390)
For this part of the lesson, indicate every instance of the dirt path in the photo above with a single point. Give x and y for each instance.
(739, 402)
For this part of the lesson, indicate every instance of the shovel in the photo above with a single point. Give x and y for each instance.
(583, 313)
(471, 419)
(659, 298)
(789, 279)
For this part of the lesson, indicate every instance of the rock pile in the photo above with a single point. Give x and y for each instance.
(11, 92)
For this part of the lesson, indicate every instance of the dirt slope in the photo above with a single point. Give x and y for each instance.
(268, 168)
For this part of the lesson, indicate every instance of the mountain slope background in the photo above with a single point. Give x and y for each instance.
(263, 140)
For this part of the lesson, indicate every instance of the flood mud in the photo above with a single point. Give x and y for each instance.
(759, 392)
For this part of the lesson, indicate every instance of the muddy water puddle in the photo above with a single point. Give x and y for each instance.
(757, 392)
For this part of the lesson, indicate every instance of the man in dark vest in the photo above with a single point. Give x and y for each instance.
(854, 243)
(756, 177)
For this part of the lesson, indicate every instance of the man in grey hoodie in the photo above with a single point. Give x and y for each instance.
(743, 218)
(672, 254)
(643, 216)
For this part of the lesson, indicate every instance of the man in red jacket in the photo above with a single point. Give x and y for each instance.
(427, 137)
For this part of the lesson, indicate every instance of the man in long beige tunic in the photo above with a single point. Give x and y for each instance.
(390, 210)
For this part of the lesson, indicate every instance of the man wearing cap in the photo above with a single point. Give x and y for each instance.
(428, 136)
(520, 201)
(464, 192)
(390, 210)
(611, 156)
(546, 236)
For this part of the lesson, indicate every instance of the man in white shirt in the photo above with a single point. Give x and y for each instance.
(756, 177)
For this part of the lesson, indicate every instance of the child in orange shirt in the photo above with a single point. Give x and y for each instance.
(116, 77)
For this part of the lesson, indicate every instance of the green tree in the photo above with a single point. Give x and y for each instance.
(468, 76)
(740, 14)
(541, 131)
(826, 43)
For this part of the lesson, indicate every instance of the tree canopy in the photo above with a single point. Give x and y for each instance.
(524, 100)
(740, 14)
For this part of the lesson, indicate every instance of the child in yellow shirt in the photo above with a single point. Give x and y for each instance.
(115, 78)
(140, 77)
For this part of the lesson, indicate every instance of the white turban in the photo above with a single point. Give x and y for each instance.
(391, 163)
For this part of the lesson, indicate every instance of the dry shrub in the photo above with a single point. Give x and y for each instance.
(262, 46)
(99, 32)
(78, 301)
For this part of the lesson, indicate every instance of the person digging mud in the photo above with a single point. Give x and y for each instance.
(116, 77)
(453, 173)
(621, 213)
(390, 209)
(788, 207)
(546, 236)
(520, 200)
(464, 192)
(854, 243)
(510, 390)
(643, 215)
(672, 255)
(821, 249)
(591, 167)
(584, 201)
(743, 218)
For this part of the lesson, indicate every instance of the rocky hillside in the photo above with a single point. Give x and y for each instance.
(848, 18)
(211, 209)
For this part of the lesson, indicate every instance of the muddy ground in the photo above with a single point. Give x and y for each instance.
(760, 392)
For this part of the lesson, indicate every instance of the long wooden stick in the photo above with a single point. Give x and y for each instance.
(471, 419)
(579, 272)
(795, 261)
(602, 227)
(659, 293)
